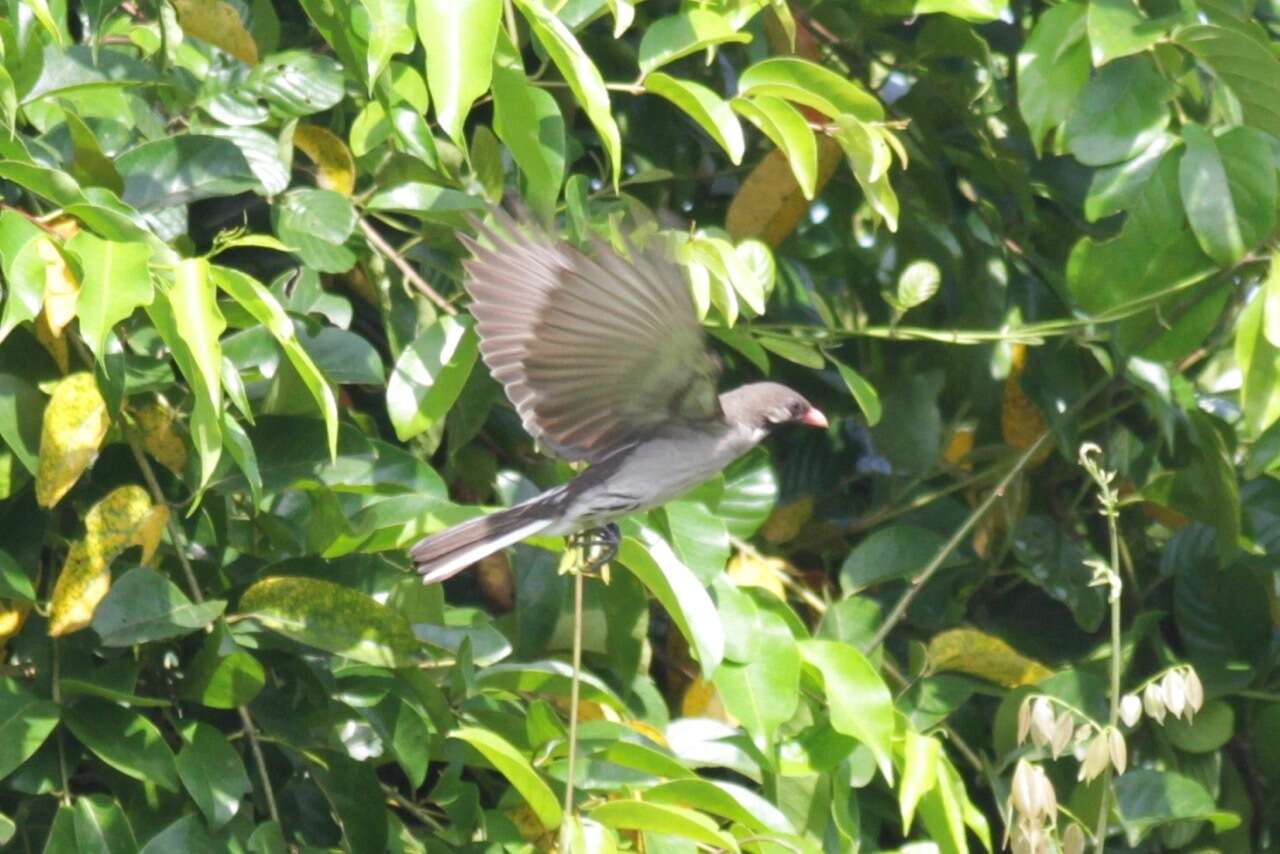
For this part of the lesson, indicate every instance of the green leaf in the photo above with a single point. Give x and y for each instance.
(919, 773)
(221, 675)
(860, 703)
(917, 284)
(699, 537)
(870, 156)
(1155, 252)
(897, 551)
(1229, 190)
(389, 34)
(25, 722)
(432, 203)
(805, 82)
(979, 11)
(786, 127)
(705, 107)
(343, 357)
(528, 121)
(187, 835)
(212, 773)
(76, 69)
(651, 560)
(182, 169)
(663, 818)
(749, 495)
(667, 39)
(1210, 728)
(1120, 112)
(1146, 799)
(198, 323)
(863, 392)
(763, 693)
(316, 223)
(1244, 65)
(727, 800)
(459, 38)
(1119, 28)
(101, 826)
(254, 298)
(297, 82)
(144, 606)
(1053, 66)
(89, 165)
(1115, 188)
(1259, 363)
(554, 678)
(125, 740)
(581, 74)
(333, 618)
(116, 280)
(24, 282)
(21, 416)
(429, 376)
(519, 772)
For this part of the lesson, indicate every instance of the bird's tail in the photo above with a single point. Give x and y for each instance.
(449, 552)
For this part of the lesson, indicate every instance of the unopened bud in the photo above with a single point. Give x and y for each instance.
(1042, 721)
(1116, 747)
(1073, 840)
(1174, 690)
(1195, 691)
(1025, 793)
(1153, 702)
(1130, 709)
(1095, 758)
(1024, 720)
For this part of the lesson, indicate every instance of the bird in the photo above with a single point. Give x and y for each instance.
(605, 362)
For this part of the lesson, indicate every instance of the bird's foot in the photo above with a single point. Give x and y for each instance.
(599, 546)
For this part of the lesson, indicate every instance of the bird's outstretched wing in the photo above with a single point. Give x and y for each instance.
(593, 351)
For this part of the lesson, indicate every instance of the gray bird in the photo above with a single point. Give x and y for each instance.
(604, 361)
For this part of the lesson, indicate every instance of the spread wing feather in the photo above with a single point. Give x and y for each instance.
(593, 351)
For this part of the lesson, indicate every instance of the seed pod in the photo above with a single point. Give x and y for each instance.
(1116, 747)
(1095, 758)
(1130, 709)
(1174, 690)
(1153, 702)
(1073, 840)
(1195, 691)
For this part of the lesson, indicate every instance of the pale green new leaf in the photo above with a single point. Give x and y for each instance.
(813, 85)
(705, 107)
(786, 128)
(459, 36)
(115, 281)
(667, 39)
(517, 769)
(859, 701)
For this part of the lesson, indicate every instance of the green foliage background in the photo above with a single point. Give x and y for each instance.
(237, 379)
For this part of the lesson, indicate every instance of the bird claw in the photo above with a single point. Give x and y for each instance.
(606, 538)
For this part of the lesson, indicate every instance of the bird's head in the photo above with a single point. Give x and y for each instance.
(767, 406)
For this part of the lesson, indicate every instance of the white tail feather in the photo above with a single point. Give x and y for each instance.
(450, 565)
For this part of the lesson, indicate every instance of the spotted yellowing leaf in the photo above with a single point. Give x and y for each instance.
(75, 423)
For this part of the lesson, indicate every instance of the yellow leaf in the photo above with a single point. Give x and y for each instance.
(83, 582)
(649, 731)
(75, 423)
(124, 518)
(984, 656)
(785, 522)
(701, 700)
(218, 24)
(769, 203)
(12, 616)
(159, 438)
(959, 446)
(748, 570)
(55, 344)
(335, 170)
(61, 290)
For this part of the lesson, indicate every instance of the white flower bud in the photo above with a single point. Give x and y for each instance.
(1062, 734)
(1116, 747)
(1130, 709)
(1195, 691)
(1025, 793)
(1046, 796)
(1095, 758)
(1073, 840)
(1153, 702)
(1174, 690)
(1042, 721)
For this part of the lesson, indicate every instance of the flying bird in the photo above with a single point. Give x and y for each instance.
(605, 362)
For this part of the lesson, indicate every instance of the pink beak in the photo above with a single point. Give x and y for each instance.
(814, 418)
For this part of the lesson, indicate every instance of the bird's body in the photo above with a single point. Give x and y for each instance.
(605, 362)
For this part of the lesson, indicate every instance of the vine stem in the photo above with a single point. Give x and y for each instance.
(378, 242)
(1104, 807)
(179, 547)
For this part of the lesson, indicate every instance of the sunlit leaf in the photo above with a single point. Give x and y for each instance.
(217, 23)
(459, 38)
(75, 424)
(517, 769)
(985, 656)
(335, 170)
(116, 281)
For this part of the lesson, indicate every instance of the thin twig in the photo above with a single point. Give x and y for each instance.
(918, 583)
(179, 548)
(573, 689)
(411, 275)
